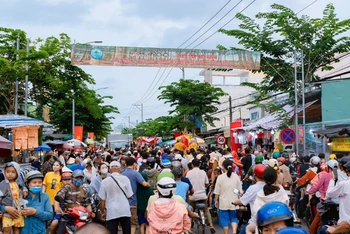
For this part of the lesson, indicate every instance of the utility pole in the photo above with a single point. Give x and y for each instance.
(296, 103)
(230, 106)
(26, 85)
(140, 107)
(16, 97)
(183, 73)
(303, 100)
(73, 114)
(128, 118)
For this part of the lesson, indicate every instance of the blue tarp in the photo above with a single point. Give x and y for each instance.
(17, 121)
(43, 147)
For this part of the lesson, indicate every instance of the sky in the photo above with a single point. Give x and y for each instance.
(140, 23)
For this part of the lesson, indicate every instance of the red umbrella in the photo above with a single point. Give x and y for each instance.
(64, 147)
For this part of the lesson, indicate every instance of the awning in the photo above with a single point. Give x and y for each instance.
(333, 131)
(17, 121)
(273, 120)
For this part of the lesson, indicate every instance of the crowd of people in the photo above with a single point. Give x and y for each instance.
(157, 190)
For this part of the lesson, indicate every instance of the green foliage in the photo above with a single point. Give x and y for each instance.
(162, 126)
(192, 100)
(54, 82)
(283, 32)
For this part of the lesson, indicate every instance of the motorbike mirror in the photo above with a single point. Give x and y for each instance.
(236, 191)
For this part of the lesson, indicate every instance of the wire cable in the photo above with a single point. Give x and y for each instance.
(307, 7)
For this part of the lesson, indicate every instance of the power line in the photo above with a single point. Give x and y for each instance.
(307, 6)
(223, 25)
(206, 23)
(145, 95)
(214, 24)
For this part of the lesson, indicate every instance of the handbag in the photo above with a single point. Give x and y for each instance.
(119, 186)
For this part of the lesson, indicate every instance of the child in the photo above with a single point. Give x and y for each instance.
(143, 194)
(12, 192)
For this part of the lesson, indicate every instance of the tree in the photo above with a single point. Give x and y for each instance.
(54, 82)
(283, 32)
(192, 100)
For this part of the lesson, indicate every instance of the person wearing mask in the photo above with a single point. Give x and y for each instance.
(94, 186)
(38, 209)
(167, 215)
(199, 181)
(135, 179)
(274, 216)
(271, 192)
(115, 192)
(293, 166)
(226, 183)
(249, 196)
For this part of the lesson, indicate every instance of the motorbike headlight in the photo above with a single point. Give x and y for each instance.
(83, 215)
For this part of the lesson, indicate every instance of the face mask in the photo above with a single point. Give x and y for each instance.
(78, 183)
(35, 190)
(104, 171)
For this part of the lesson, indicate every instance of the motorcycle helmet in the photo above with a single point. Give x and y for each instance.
(166, 186)
(33, 175)
(293, 230)
(66, 176)
(166, 163)
(292, 159)
(259, 159)
(315, 160)
(333, 164)
(276, 155)
(151, 162)
(78, 173)
(344, 160)
(273, 163)
(274, 212)
(332, 157)
(259, 171)
(282, 160)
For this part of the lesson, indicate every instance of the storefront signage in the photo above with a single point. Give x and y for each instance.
(340, 144)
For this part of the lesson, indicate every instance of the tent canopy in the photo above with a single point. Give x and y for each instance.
(43, 147)
(17, 121)
(5, 144)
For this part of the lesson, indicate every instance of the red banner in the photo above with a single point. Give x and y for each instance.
(78, 132)
(91, 135)
(234, 125)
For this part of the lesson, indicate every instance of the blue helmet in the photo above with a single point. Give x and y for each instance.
(166, 163)
(273, 212)
(293, 230)
(276, 155)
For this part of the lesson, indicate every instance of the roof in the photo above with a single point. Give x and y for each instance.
(17, 121)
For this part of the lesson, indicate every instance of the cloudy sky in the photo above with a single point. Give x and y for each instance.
(144, 23)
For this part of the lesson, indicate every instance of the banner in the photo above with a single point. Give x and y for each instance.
(233, 125)
(164, 57)
(78, 132)
(91, 135)
(340, 144)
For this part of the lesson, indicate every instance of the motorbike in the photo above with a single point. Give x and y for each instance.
(73, 219)
(243, 213)
(94, 201)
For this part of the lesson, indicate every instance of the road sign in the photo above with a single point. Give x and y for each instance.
(288, 148)
(221, 140)
(288, 136)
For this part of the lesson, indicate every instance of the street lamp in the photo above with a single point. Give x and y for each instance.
(73, 101)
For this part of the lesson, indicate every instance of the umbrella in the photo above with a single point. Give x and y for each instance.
(76, 143)
(5, 144)
(64, 147)
(43, 147)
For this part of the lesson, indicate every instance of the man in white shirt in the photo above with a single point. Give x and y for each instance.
(199, 181)
(114, 194)
(249, 196)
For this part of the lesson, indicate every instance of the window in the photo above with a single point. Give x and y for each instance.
(254, 115)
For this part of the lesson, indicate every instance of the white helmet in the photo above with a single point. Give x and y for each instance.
(315, 160)
(273, 163)
(166, 186)
(332, 164)
(292, 159)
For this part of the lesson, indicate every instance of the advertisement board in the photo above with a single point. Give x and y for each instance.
(340, 144)
(164, 57)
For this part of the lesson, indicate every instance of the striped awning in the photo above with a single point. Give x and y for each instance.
(17, 121)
